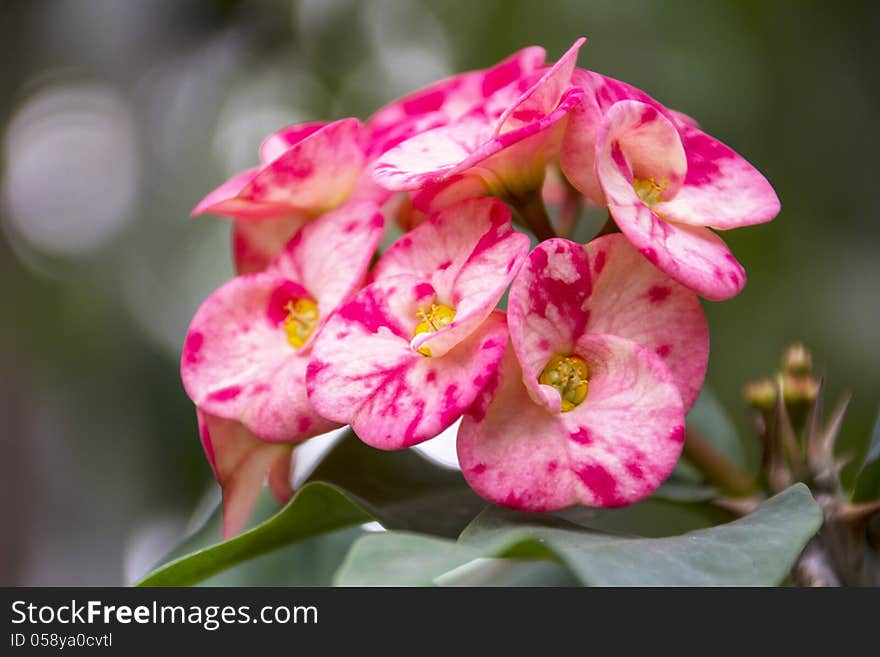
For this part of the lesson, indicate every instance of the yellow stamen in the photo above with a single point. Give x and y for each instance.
(432, 321)
(301, 321)
(570, 375)
(649, 191)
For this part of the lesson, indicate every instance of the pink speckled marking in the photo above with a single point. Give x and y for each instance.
(658, 293)
(191, 347)
(601, 484)
(581, 436)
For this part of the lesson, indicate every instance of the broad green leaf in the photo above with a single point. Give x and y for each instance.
(316, 508)
(353, 484)
(311, 562)
(712, 422)
(759, 549)
(867, 486)
(651, 518)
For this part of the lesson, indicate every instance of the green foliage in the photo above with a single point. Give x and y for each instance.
(754, 551)
(426, 507)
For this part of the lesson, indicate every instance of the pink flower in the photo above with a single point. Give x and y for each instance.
(499, 148)
(410, 352)
(305, 171)
(248, 345)
(665, 182)
(241, 462)
(588, 405)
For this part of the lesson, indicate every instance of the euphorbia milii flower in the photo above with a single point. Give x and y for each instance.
(665, 182)
(305, 171)
(606, 356)
(241, 462)
(500, 147)
(408, 354)
(247, 348)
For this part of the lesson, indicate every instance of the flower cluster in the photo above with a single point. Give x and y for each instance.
(577, 394)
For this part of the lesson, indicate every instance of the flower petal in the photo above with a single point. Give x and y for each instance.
(364, 372)
(330, 256)
(469, 253)
(577, 155)
(447, 100)
(240, 462)
(613, 449)
(721, 189)
(548, 309)
(634, 300)
(255, 243)
(280, 142)
(543, 96)
(312, 176)
(237, 362)
(694, 256)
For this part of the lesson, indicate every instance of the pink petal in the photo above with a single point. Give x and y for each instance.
(435, 155)
(721, 189)
(279, 142)
(311, 176)
(237, 363)
(577, 154)
(447, 100)
(364, 372)
(315, 174)
(613, 449)
(694, 256)
(225, 200)
(255, 243)
(544, 95)
(469, 253)
(240, 462)
(634, 300)
(549, 309)
(330, 256)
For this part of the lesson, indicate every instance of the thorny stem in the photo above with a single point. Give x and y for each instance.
(533, 214)
(717, 468)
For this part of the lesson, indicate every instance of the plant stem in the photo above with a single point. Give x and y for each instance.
(717, 468)
(531, 210)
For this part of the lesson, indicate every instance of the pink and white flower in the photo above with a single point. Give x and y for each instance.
(305, 171)
(408, 354)
(665, 182)
(606, 356)
(499, 148)
(246, 352)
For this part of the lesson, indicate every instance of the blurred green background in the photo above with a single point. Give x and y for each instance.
(117, 117)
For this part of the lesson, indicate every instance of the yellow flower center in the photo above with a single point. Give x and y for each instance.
(649, 191)
(301, 321)
(570, 375)
(433, 320)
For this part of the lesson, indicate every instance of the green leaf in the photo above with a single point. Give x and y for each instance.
(311, 562)
(712, 422)
(352, 485)
(867, 486)
(315, 509)
(759, 549)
